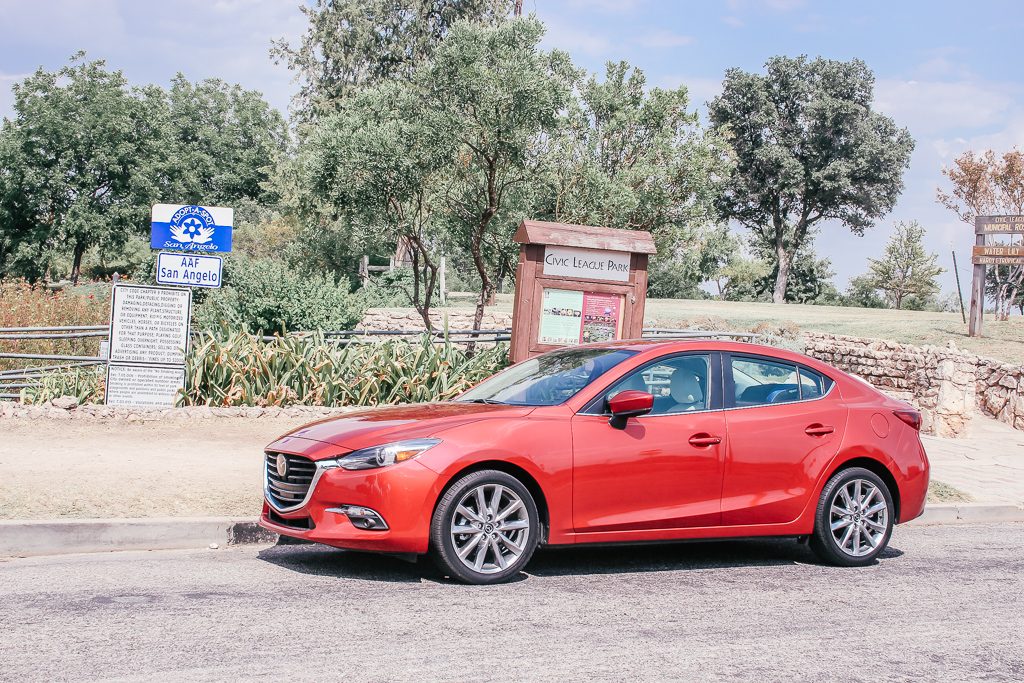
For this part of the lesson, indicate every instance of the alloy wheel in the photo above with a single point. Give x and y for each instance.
(859, 517)
(490, 528)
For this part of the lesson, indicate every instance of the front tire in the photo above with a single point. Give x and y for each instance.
(485, 528)
(854, 518)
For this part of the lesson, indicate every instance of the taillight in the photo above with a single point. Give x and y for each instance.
(910, 417)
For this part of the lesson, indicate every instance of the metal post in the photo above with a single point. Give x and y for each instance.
(364, 269)
(959, 289)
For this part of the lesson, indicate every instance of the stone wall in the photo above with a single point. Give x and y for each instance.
(946, 384)
(391, 319)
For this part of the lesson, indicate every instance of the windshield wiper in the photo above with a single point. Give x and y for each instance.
(488, 401)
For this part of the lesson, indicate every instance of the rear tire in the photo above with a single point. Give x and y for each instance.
(854, 519)
(485, 528)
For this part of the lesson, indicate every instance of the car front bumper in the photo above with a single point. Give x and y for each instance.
(402, 494)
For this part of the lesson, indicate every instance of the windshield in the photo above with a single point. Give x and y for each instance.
(546, 380)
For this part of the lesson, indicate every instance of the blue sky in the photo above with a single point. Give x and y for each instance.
(948, 71)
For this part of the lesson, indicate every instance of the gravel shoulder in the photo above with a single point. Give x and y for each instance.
(114, 468)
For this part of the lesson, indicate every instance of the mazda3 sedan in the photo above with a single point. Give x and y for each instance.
(622, 442)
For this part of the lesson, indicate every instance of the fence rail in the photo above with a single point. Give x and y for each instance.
(30, 376)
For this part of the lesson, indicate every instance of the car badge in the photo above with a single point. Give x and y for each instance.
(282, 465)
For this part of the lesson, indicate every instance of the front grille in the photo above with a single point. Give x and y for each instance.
(290, 490)
(304, 523)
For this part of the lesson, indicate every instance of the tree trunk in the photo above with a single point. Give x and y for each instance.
(76, 266)
(782, 276)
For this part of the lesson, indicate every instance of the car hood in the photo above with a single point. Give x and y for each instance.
(376, 426)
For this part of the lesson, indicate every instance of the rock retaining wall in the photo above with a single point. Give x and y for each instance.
(946, 384)
(391, 319)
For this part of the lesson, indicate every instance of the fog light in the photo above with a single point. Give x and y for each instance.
(361, 517)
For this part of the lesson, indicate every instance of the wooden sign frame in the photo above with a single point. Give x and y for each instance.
(983, 255)
(532, 281)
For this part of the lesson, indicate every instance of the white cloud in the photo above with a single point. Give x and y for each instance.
(700, 90)
(665, 39)
(929, 108)
(607, 6)
(574, 40)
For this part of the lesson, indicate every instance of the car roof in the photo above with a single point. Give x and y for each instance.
(654, 347)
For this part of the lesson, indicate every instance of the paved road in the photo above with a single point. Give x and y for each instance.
(945, 603)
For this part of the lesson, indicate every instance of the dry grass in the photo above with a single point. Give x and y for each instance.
(1002, 340)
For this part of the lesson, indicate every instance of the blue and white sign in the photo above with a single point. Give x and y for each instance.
(190, 270)
(188, 227)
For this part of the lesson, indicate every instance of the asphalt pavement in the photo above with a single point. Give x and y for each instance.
(944, 603)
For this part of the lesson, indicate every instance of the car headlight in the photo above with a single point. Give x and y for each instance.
(381, 456)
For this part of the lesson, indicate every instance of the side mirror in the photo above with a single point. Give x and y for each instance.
(627, 404)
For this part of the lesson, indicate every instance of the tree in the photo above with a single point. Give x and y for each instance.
(353, 44)
(80, 163)
(808, 149)
(628, 157)
(224, 141)
(906, 269)
(863, 293)
(485, 99)
(374, 163)
(987, 185)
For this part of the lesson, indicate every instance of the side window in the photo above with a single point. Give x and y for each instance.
(679, 385)
(762, 382)
(813, 385)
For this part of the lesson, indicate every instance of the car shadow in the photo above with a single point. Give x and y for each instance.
(322, 560)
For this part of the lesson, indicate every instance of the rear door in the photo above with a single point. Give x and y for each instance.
(784, 423)
(664, 470)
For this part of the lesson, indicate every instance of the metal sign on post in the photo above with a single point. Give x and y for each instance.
(148, 340)
(188, 227)
(984, 255)
(189, 270)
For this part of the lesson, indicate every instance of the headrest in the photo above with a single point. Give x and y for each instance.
(685, 388)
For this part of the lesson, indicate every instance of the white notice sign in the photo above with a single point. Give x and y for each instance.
(586, 264)
(149, 324)
(190, 270)
(146, 386)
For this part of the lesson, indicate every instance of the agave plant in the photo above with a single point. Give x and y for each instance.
(242, 369)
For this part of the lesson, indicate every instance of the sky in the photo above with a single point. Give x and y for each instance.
(948, 71)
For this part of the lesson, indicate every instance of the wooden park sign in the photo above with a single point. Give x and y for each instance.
(984, 255)
(577, 284)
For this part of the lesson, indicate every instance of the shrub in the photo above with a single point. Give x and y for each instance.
(26, 305)
(265, 295)
(85, 384)
(243, 370)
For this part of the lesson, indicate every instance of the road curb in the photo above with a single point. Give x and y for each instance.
(970, 513)
(64, 536)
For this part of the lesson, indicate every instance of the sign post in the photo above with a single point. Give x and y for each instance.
(577, 284)
(991, 255)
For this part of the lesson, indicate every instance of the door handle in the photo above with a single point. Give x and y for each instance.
(819, 430)
(703, 440)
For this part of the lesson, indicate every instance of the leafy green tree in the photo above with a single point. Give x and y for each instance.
(224, 141)
(353, 44)
(809, 148)
(490, 93)
(628, 157)
(862, 293)
(377, 165)
(80, 160)
(906, 269)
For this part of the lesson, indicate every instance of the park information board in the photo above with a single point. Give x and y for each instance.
(570, 317)
(148, 341)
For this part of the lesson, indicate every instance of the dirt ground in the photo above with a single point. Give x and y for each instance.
(119, 469)
(108, 468)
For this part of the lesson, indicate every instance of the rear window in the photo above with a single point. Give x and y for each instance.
(813, 384)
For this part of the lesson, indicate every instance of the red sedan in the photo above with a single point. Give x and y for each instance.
(610, 443)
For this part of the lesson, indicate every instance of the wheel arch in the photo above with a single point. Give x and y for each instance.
(527, 479)
(877, 468)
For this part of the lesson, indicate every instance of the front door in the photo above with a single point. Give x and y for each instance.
(664, 470)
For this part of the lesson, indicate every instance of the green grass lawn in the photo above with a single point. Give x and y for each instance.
(1002, 340)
